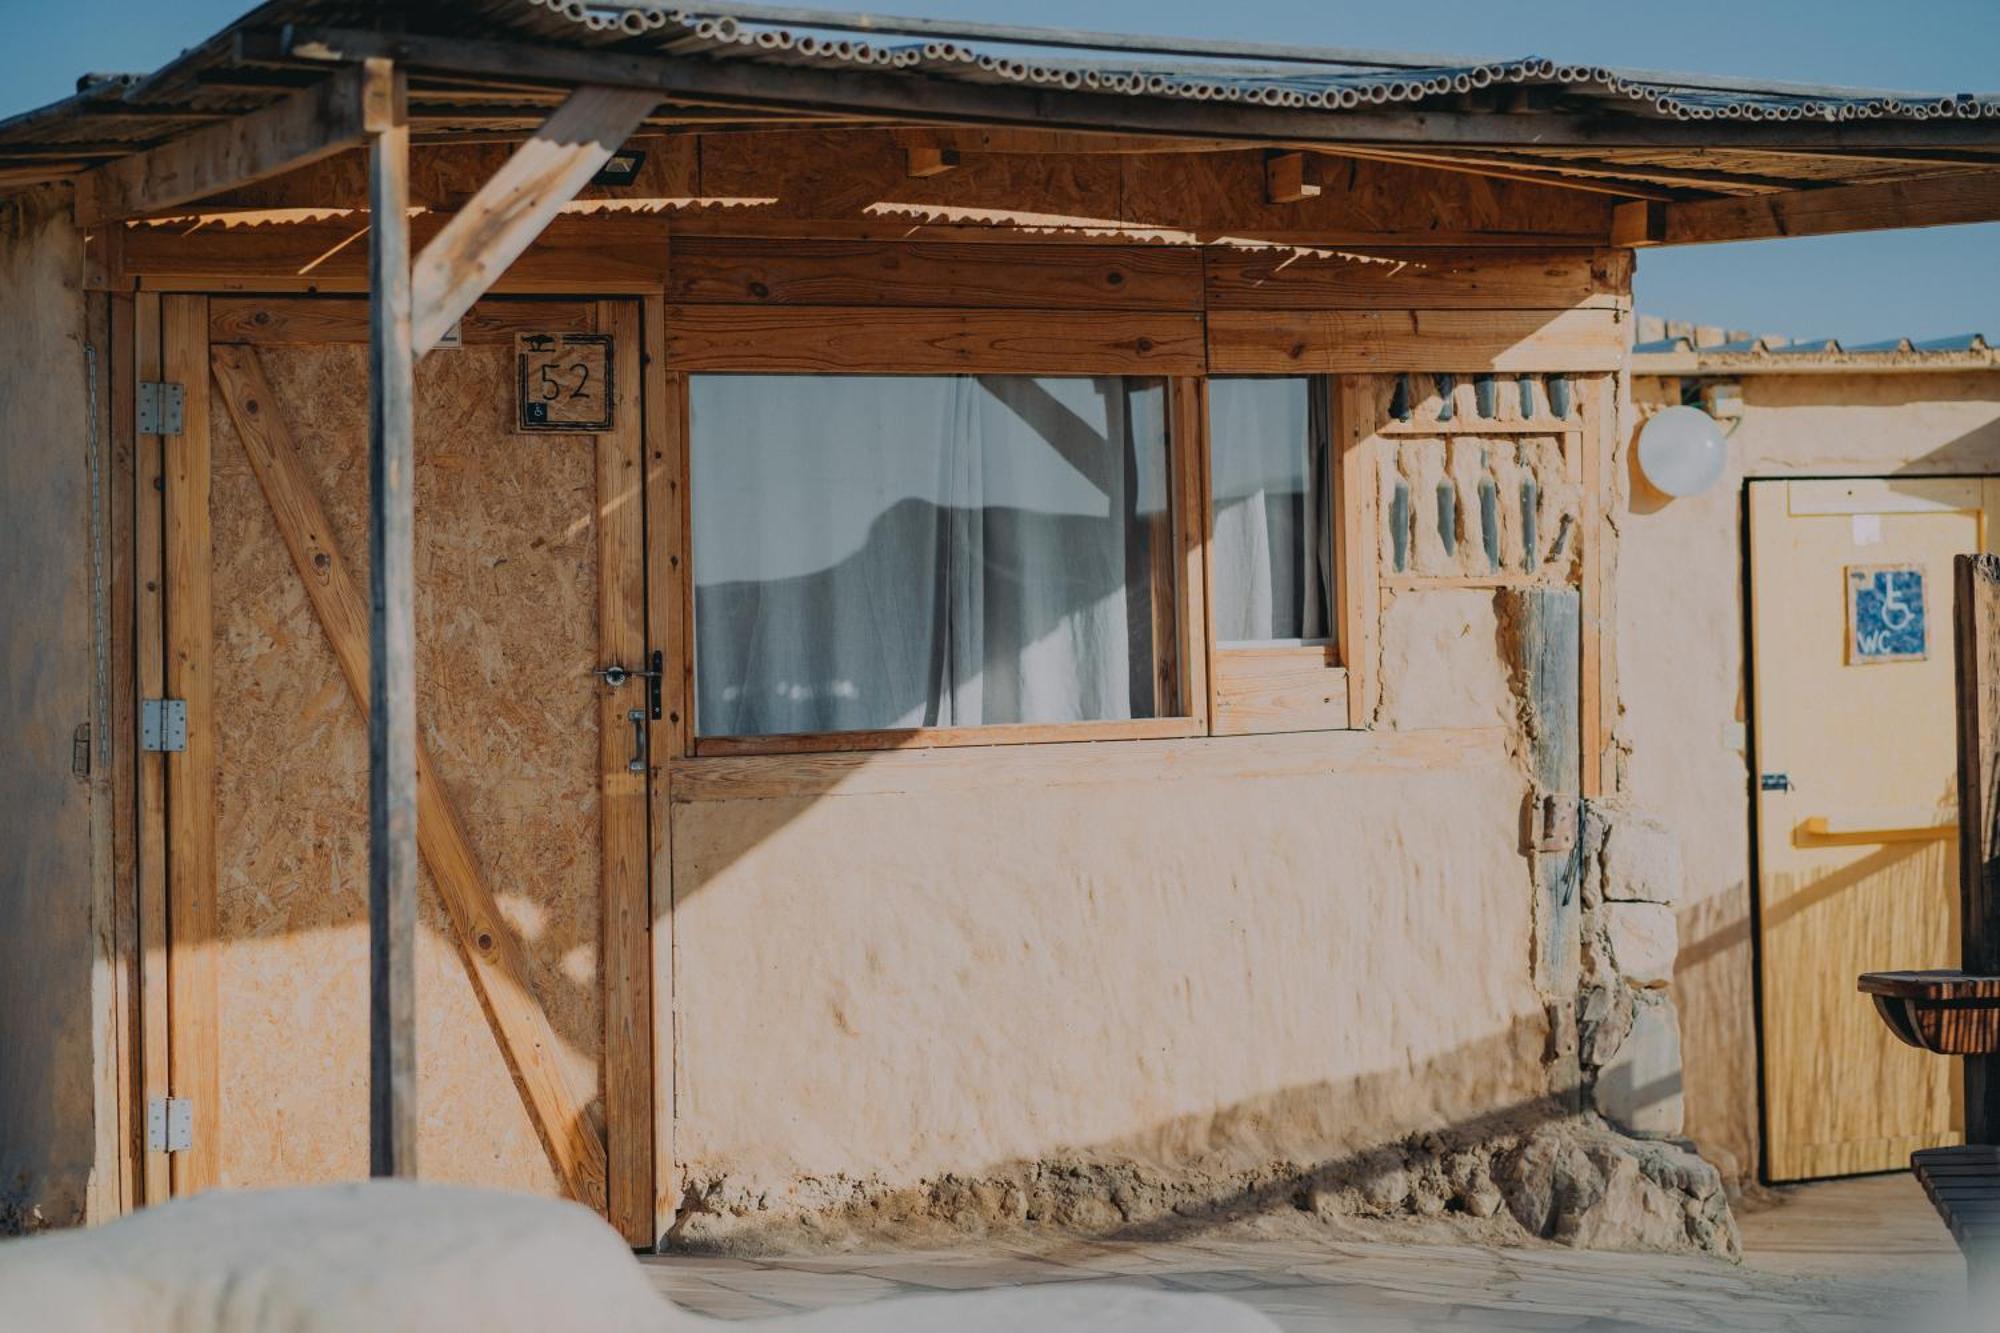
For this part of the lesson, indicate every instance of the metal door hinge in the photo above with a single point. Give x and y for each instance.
(160, 408)
(163, 725)
(169, 1124)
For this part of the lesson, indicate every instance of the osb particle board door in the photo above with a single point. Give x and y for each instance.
(1851, 586)
(534, 1041)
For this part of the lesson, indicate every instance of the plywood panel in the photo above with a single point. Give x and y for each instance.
(1280, 277)
(737, 271)
(918, 342)
(1453, 341)
(506, 597)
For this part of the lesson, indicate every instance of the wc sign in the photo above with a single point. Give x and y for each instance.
(1885, 614)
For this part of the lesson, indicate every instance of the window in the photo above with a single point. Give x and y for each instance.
(1272, 558)
(878, 553)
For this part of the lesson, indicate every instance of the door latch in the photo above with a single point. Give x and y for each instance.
(1776, 782)
(616, 675)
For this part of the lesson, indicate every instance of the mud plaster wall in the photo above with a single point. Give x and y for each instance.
(1223, 954)
(46, 983)
(506, 615)
(1682, 687)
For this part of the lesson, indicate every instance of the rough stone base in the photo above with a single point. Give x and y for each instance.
(1574, 1181)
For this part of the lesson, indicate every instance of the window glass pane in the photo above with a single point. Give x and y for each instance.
(1272, 559)
(927, 551)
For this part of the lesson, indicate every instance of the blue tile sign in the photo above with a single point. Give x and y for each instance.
(1885, 614)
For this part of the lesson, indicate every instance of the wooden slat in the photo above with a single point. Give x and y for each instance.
(917, 342)
(310, 124)
(1188, 431)
(1455, 341)
(1976, 644)
(150, 676)
(1597, 706)
(737, 271)
(930, 738)
(574, 256)
(627, 907)
(336, 319)
(493, 955)
(1357, 412)
(1314, 278)
(1261, 690)
(995, 768)
(120, 468)
(666, 593)
(501, 221)
(190, 774)
(1932, 201)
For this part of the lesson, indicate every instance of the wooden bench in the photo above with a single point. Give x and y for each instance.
(1963, 1184)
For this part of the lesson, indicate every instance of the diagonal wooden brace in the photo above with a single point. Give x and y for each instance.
(463, 261)
(494, 959)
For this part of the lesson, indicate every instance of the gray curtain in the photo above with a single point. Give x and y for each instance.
(1272, 554)
(886, 552)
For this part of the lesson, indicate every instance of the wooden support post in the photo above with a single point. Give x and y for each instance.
(521, 1028)
(624, 726)
(462, 262)
(670, 613)
(1976, 625)
(1285, 178)
(392, 656)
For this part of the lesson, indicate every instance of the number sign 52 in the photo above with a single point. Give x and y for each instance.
(563, 381)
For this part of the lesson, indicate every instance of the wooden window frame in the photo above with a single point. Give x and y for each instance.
(902, 341)
(1263, 689)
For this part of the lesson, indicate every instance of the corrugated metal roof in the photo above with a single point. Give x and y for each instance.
(761, 33)
(1300, 85)
(1681, 356)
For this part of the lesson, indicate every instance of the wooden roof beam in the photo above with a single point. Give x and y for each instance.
(503, 219)
(1932, 201)
(303, 127)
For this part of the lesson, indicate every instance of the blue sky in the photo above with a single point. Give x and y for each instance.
(1925, 283)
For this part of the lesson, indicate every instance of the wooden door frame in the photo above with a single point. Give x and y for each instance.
(177, 1012)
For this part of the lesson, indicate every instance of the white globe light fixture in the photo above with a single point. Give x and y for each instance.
(1681, 451)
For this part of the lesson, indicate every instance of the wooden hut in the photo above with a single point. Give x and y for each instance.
(1008, 625)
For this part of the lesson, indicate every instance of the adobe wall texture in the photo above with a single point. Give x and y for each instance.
(1277, 981)
(46, 1028)
(1684, 693)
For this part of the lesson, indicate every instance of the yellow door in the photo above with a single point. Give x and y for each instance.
(1856, 802)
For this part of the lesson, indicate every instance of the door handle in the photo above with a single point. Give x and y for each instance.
(637, 717)
(1918, 825)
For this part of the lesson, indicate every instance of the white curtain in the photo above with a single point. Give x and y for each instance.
(1272, 558)
(888, 552)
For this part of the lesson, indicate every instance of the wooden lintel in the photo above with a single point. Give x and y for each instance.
(1931, 201)
(304, 127)
(1285, 178)
(501, 221)
(930, 160)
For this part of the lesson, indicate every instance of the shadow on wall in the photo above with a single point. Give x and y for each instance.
(1534, 1166)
